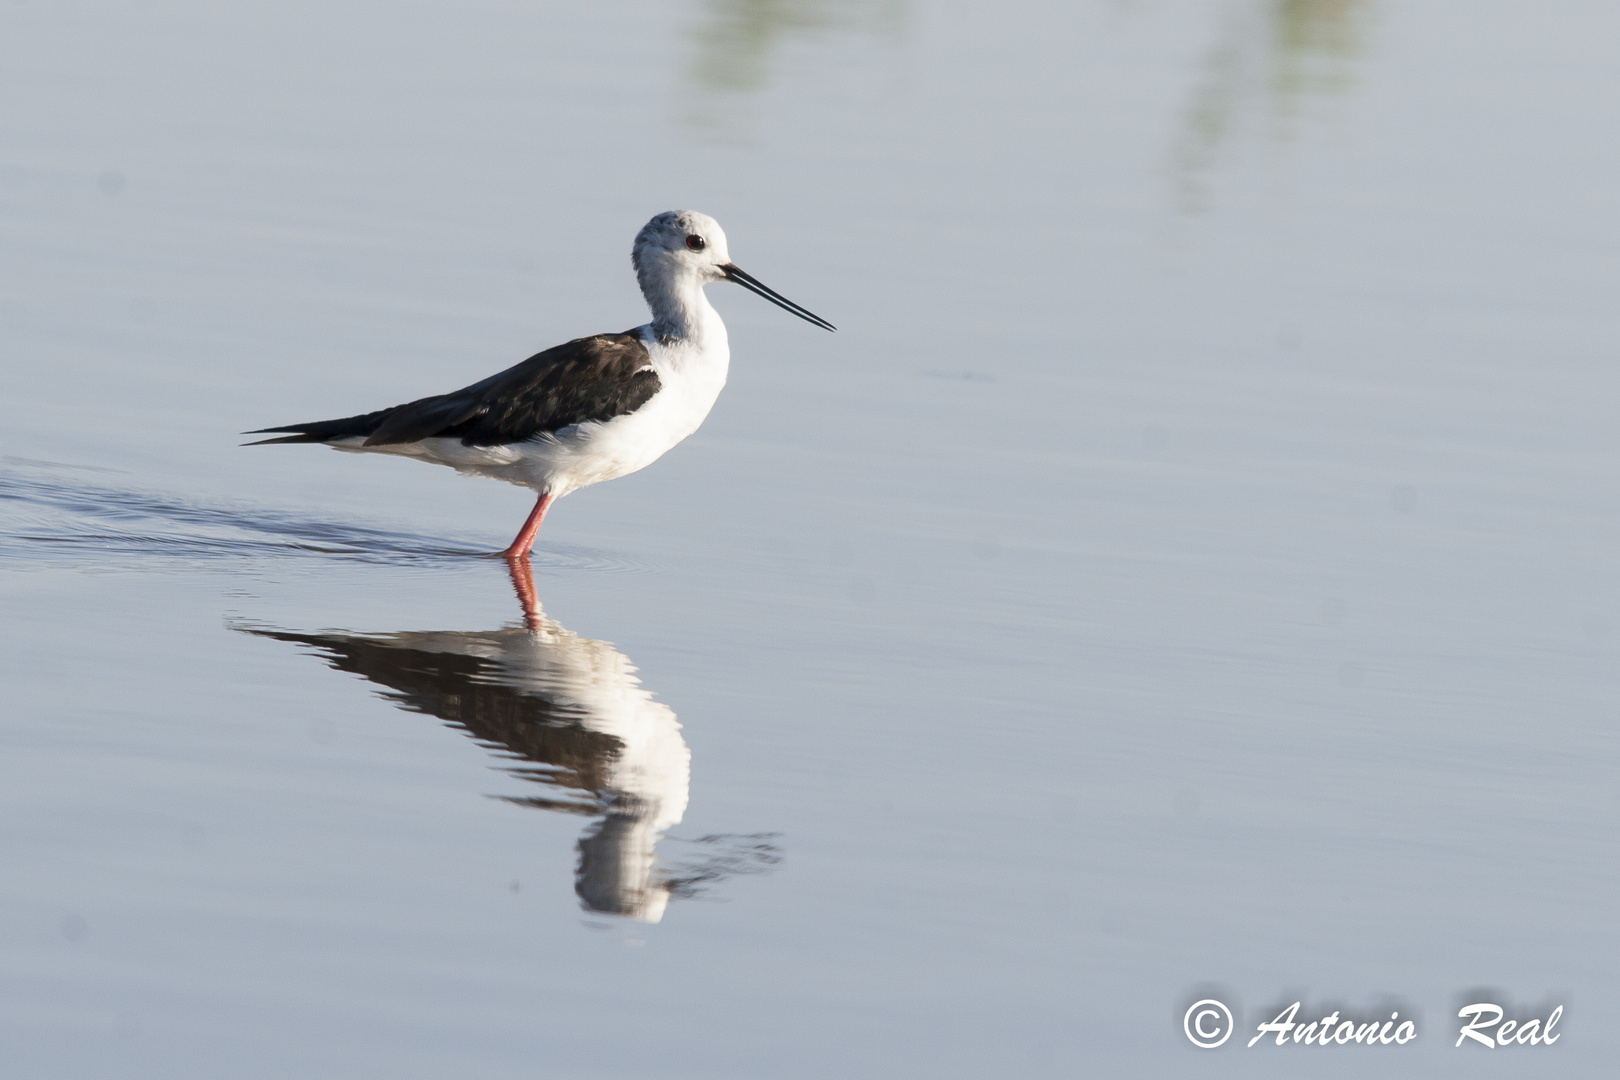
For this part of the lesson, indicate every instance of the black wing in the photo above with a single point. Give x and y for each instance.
(593, 378)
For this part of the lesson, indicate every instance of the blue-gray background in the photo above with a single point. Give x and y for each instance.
(1192, 563)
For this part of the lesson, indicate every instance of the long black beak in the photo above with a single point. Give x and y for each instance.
(753, 284)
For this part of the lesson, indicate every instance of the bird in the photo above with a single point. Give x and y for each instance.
(592, 409)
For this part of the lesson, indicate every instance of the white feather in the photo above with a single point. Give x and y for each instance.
(687, 347)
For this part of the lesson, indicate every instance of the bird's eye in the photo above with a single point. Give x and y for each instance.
(696, 242)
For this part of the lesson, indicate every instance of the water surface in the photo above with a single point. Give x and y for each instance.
(1190, 564)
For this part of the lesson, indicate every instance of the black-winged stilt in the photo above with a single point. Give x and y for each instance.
(590, 410)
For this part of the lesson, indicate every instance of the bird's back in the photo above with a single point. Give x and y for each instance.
(592, 378)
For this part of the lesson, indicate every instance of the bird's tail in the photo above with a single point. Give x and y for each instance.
(322, 431)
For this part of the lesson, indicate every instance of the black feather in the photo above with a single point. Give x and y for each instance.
(594, 378)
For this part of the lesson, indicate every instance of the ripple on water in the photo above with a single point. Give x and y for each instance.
(46, 520)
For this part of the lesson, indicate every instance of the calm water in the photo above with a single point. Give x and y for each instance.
(1190, 570)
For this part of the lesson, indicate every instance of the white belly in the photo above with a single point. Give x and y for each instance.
(583, 454)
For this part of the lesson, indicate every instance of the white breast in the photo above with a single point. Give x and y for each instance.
(691, 374)
(690, 379)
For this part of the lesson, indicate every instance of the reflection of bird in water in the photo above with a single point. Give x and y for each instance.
(570, 712)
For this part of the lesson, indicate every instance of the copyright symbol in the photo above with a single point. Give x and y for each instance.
(1208, 1023)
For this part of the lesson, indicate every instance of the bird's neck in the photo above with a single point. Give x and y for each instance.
(680, 310)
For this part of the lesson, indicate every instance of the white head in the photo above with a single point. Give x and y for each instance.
(679, 251)
(680, 243)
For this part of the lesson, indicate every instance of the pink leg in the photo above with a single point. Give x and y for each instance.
(525, 539)
(523, 582)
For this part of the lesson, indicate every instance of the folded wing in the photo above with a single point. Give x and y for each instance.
(593, 378)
